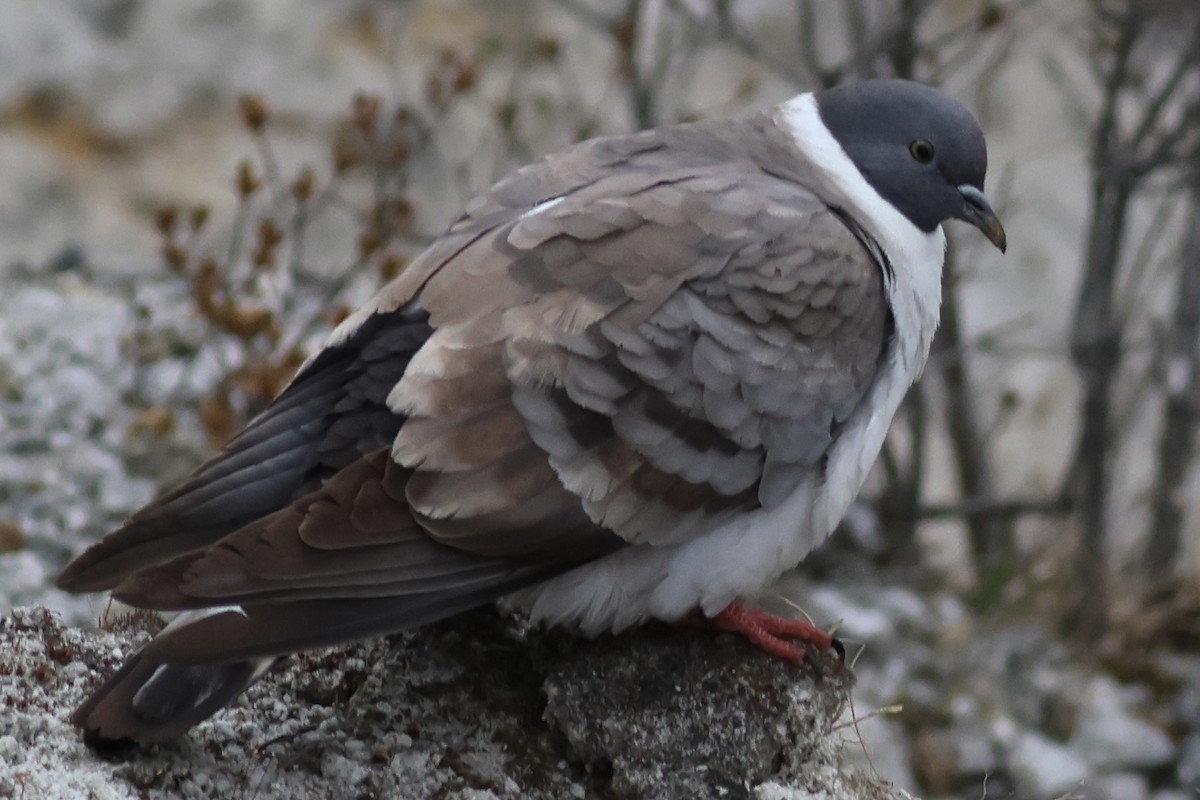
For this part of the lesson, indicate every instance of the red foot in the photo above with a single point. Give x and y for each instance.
(774, 635)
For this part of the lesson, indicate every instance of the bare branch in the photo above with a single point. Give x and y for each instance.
(1177, 442)
(995, 509)
(991, 539)
(809, 52)
(732, 36)
(1152, 115)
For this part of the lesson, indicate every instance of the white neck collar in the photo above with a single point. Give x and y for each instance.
(916, 256)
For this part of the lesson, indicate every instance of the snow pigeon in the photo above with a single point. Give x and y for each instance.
(639, 379)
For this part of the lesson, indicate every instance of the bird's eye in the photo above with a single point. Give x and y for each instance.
(922, 150)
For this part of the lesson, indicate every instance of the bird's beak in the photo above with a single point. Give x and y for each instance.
(978, 212)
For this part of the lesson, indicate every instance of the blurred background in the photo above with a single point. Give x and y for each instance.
(192, 192)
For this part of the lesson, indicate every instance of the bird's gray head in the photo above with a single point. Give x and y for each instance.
(923, 152)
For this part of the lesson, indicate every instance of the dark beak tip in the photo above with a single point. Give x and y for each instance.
(1000, 239)
(979, 213)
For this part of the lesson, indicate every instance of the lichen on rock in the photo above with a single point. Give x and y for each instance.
(474, 707)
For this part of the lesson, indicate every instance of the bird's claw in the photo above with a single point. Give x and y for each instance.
(781, 637)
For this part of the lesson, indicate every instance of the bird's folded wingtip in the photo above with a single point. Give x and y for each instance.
(147, 702)
(78, 577)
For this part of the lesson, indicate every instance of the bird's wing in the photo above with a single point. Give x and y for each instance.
(680, 351)
(334, 410)
(333, 413)
(672, 341)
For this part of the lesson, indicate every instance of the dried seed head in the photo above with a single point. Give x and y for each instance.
(346, 154)
(262, 260)
(391, 265)
(993, 15)
(547, 48)
(175, 256)
(246, 182)
(302, 186)
(205, 284)
(625, 31)
(364, 113)
(269, 237)
(396, 154)
(254, 111)
(217, 417)
(164, 219)
(197, 216)
(368, 242)
(246, 322)
(394, 214)
(336, 316)
(465, 77)
(158, 421)
(269, 233)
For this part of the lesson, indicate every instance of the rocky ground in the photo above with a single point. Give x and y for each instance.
(470, 709)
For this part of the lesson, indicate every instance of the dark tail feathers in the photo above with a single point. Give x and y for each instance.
(149, 701)
(204, 659)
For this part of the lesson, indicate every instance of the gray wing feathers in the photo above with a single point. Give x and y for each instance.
(704, 328)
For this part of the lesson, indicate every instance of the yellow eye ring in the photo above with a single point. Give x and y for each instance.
(922, 150)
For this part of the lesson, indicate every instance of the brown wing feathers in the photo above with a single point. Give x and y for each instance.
(377, 550)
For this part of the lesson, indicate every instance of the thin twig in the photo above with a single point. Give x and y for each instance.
(997, 508)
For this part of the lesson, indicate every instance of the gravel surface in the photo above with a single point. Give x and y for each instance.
(469, 709)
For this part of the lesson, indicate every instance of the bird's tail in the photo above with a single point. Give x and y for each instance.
(154, 699)
(204, 659)
(150, 702)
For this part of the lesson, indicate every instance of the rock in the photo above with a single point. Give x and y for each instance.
(472, 708)
(1109, 737)
(1019, 668)
(773, 791)
(966, 749)
(1188, 768)
(871, 614)
(64, 389)
(22, 572)
(1118, 786)
(669, 725)
(1184, 670)
(1044, 768)
(130, 68)
(1173, 794)
(975, 752)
